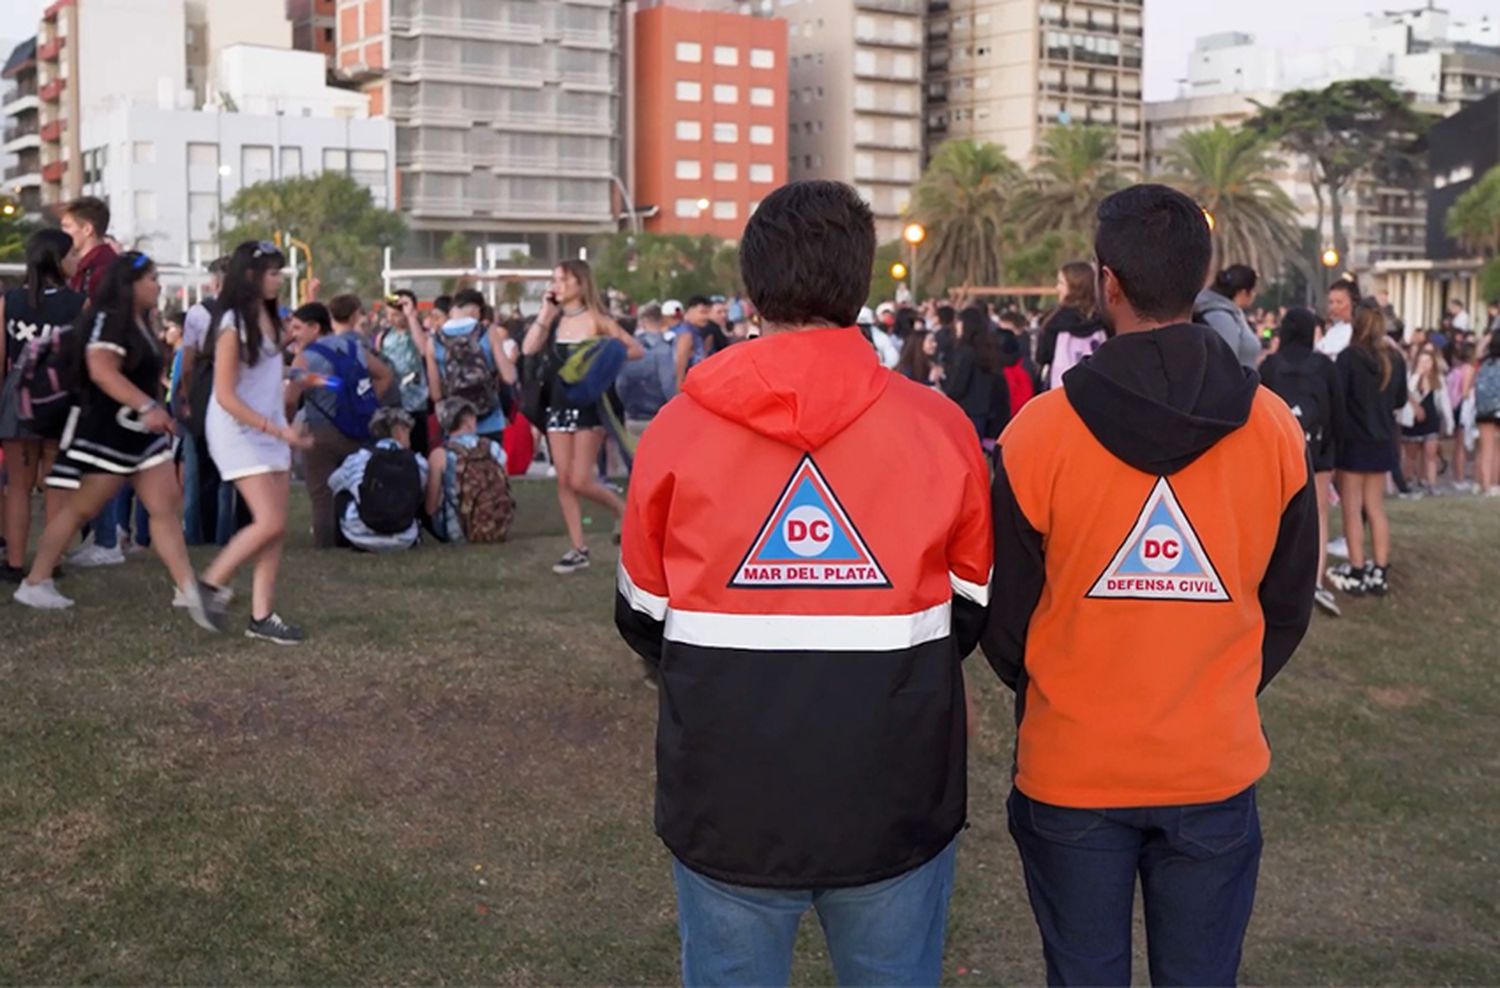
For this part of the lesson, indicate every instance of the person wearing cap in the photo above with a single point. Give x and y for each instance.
(885, 347)
(692, 341)
(671, 311)
(364, 525)
(648, 384)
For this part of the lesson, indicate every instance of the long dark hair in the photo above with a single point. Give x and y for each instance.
(45, 250)
(980, 337)
(113, 308)
(1079, 277)
(914, 362)
(242, 294)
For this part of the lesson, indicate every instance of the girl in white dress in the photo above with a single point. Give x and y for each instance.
(248, 434)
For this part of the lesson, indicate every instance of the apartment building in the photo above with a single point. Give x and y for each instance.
(22, 112)
(709, 100)
(855, 98)
(1006, 71)
(313, 26)
(507, 114)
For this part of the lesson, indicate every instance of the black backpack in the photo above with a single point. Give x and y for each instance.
(390, 495)
(1298, 383)
(202, 389)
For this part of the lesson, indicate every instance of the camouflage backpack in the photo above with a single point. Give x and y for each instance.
(485, 505)
(468, 373)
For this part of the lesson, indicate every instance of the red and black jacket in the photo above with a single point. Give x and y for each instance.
(806, 559)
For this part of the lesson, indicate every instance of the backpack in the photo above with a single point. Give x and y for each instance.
(354, 399)
(468, 373)
(202, 389)
(390, 493)
(1073, 350)
(1487, 389)
(1297, 383)
(481, 493)
(50, 374)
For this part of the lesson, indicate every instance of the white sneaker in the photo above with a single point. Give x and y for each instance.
(1339, 547)
(92, 556)
(42, 596)
(181, 598)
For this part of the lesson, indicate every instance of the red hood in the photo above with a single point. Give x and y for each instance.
(801, 387)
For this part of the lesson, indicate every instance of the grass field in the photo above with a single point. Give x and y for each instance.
(453, 782)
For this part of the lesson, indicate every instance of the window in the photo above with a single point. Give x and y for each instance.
(143, 153)
(291, 162)
(727, 133)
(726, 211)
(203, 155)
(689, 92)
(255, 164)
(864, 62)
(145, 207)
(335, 160)
(689, 130)
(689, 168)
(762, 58)
(726, 55)
(762, 173)
(687, 209)
(689, 51)
(761, 134)
(725, 93)
(726, 171)
(762, 96)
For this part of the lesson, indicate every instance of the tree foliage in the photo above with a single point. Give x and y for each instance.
(664, 266)
(1474, 218)
(1228, 172)
(14, 230)
(1075, 170)
(963, 200)
(333, 214)
(1350, 129)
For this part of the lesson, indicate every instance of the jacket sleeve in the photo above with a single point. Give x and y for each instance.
(1046, 347)
(971, 551)
(999, 407)
(1020, 573)
(641, 585)
(960, 376)
(1286, 592)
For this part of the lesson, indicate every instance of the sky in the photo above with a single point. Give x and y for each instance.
(1171, 26)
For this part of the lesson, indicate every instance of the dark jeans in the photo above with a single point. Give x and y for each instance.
(1197, 866)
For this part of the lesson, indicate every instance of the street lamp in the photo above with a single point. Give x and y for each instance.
(898, 270)
(1330, 258)
(914, 234)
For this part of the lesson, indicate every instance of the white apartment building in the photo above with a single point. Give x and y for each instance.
(1006, 71)
(168, 172)
(855, 98)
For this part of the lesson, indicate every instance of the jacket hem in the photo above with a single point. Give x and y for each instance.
(1124, 800)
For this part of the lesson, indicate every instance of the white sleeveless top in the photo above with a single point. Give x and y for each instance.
(239, 450)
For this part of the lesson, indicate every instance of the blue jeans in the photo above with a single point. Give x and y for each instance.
(886, 933)
(208, 509)
(122, 510)
(1197, 866)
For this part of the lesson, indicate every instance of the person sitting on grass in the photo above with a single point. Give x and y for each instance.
(378, 489)
(468, 491)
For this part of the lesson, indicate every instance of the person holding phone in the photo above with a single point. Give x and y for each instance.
(402, 345)
(118, 433)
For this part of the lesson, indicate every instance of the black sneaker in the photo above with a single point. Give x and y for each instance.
(1377, 581)
(1346, 578)
(575, 560)
(13, 574)
(273, 629)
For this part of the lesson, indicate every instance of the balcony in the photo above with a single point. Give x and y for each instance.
(52, 132)
(428, 68)
(587, 39)
(49, 51)
(54, 172)
(891, 6)
(52, 90)
(466, 27)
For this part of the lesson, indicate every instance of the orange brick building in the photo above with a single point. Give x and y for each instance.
(360, 53)
(710, 101)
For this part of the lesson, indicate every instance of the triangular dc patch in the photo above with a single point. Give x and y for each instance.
(1161, 558)
(808, 541)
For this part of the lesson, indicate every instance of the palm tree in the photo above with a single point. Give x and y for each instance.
(1474, 217)
(962, 201)
(1075, 170)
(1228, 172)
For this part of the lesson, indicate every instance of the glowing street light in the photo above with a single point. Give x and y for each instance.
(898, 270)
(1330, 258)
(914, 233)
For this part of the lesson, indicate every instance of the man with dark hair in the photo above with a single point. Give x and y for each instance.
(1156, 540)
(467, 359)
(86, 220)
(946, 334)
(692, 336)
(806, 626)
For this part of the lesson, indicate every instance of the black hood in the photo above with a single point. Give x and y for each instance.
(1159, 400)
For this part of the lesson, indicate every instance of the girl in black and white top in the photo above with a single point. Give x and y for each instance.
(118, 432)
(33, 313)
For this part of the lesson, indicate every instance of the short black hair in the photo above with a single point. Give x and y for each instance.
(808, 254)
(1235, 279)
(468, 297)
(947, 314)
(696, 300)
(406, 293)
(1348, 287)
(443, 303)
(344, 307)
(1012, 318)
(1157, 242)
(1298, 326)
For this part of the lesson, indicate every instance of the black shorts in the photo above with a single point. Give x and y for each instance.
(1363, 456)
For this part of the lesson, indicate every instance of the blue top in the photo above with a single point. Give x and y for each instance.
(699, 349)
(494, 422)
(317, 403)
(646, 385)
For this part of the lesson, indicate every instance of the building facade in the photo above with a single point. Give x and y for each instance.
(855, 98)
(507, 114)
(22, 112)
(1006, 71)
(313, 26)
(709, 99)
